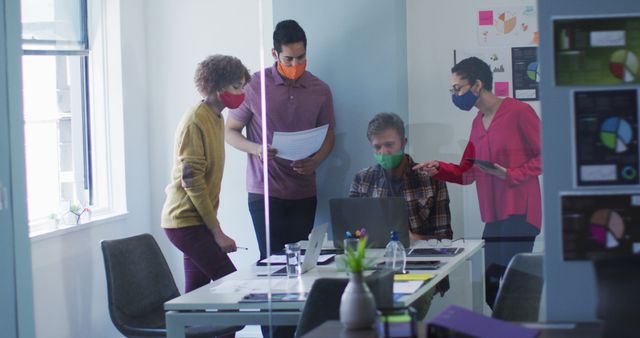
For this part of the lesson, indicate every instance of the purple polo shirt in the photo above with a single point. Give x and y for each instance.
(305, 105)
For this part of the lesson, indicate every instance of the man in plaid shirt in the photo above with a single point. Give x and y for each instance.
(427, 199)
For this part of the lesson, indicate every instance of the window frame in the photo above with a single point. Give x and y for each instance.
(102, 118)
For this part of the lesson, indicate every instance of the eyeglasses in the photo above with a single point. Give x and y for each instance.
(456, 90)
(442, 242)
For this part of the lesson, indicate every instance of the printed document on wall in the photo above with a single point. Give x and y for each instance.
(508, 26)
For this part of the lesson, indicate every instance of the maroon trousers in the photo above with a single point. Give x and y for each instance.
(204, 261)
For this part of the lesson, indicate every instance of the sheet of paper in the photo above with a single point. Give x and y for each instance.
(300, 144)
(254, 286)
(282, 259)
(406, 287)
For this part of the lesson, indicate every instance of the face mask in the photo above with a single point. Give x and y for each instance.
(465, 101)
(231, 100)
(389, 161)
(292, 72)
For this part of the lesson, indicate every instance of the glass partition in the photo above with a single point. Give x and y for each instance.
(368, 106)
(485, 172)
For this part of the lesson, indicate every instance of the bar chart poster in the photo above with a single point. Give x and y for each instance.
(597, 51)
(600, 225)
(606, 131)
(526, 73)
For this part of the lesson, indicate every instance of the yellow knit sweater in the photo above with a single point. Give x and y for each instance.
(193, 196)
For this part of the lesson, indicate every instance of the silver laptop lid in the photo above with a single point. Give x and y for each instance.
(378, 215)
(314, 247)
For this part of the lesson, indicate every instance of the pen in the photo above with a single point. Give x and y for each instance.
(242, 247)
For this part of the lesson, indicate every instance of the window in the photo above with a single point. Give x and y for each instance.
(66, 122)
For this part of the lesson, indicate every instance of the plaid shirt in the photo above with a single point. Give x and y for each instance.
(427, 198)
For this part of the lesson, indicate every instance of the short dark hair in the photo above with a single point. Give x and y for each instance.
(219, 71)
(384, 121)
(472, 69)
(286, 32)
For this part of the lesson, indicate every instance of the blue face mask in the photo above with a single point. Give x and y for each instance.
(465, 101)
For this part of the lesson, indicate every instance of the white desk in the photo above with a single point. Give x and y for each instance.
(218, 303)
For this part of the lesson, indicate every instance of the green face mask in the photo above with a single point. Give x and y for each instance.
(389, 161)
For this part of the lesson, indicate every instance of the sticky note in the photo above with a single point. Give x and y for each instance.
(501, 88)
(413, 276)
(485, 18)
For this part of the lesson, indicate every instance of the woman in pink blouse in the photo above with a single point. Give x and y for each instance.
(503, 159)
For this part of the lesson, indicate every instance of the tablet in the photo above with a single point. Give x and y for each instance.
(482, 163)
(418, 265)
(425, 252)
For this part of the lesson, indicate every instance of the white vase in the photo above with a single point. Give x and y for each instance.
(357, 306)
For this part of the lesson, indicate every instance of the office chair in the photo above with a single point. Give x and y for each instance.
(323, 301)
(139, 282)
(617, 279)
(518, 298)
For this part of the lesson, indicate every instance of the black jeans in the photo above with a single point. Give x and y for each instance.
(290, 221)
(503, 240)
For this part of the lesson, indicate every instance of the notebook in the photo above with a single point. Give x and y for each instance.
(316, 239)
(378, 215)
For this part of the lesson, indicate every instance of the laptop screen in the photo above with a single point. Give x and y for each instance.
(378, 215)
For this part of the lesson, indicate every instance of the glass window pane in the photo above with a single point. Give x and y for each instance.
(53, 134)
(54, 25)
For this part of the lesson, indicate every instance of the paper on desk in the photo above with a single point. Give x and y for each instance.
(406, 287)
(252, 285)
(300, 144)
(282, 259)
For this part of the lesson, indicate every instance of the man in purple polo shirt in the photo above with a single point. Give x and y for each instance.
(296, 100)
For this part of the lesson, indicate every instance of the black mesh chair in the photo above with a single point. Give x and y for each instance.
(323, 301)
(617, 279)
(139, 282)
(518, 298)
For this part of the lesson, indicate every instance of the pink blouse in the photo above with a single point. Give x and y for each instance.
(512, 141)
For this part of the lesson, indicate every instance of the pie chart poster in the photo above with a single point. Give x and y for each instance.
(597, 51)
(606, 131)
(525, 73)
(600, 225)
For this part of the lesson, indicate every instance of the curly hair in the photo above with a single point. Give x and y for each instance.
(219, 71)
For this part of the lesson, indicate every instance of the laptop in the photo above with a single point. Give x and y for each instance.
(378, 215)
(312, 252)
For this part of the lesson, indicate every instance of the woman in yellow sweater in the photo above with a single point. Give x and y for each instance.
(189, 215)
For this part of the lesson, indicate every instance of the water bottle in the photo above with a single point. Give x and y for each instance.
(394, 255)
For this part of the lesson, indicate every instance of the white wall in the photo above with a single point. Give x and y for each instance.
(179, 34)
(437, 129)
(70, 298)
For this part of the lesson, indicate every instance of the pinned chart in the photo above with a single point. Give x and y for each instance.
(616, 134)
(624, 65)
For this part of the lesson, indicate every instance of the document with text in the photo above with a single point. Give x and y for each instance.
(300, 144)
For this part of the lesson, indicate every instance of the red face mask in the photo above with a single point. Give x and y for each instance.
(230, 100)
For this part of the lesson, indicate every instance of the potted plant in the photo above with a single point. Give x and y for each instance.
(357, 306)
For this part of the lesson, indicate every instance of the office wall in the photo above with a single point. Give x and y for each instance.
(69, 286)
(438, 129)
(177, 36)
(358, 47)
(571, 289)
